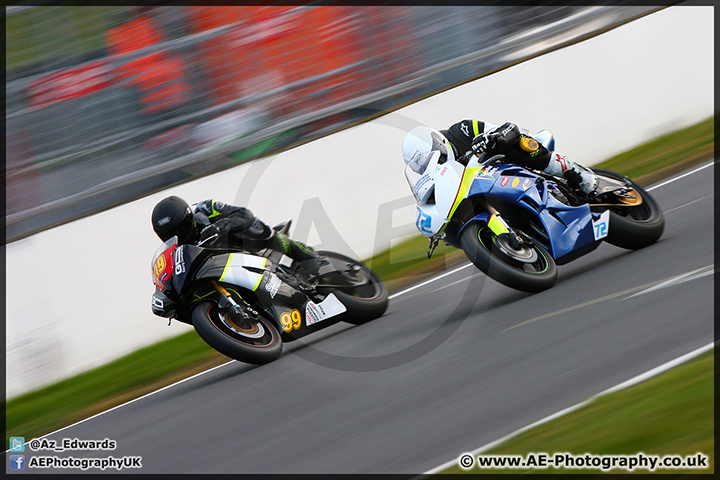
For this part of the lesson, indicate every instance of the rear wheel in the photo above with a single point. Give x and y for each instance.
(529, 268)
(361, 291)
(249, 340)
(633, 227)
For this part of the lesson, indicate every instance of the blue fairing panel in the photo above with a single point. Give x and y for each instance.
(569, 228)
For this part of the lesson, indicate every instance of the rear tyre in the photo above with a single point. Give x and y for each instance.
(633, 227)
(530, 268)
(363, 293)
(254, 341)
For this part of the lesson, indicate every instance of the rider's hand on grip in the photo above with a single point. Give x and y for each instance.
(482, 143)
(507, 136)
(209, 234)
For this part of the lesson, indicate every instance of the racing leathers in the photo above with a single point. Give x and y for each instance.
(479, 136)
(226, 226)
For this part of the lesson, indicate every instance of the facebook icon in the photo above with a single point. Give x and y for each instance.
(17, 462)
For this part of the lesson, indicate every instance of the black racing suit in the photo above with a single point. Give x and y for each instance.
(225, 226)
(461, 134)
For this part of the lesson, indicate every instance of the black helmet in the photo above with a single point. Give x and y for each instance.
(173, 216)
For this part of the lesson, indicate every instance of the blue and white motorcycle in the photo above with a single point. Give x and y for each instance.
(517, 224)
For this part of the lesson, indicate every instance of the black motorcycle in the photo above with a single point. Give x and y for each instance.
(245, 306)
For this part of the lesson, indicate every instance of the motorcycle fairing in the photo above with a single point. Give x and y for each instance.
(162, 264)
(450, 192)
(570, 229)
(294, 314)
(161, 305)
(236, 268)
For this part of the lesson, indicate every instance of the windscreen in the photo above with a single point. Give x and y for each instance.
(424, 143)
(162, 262)
(420, 161)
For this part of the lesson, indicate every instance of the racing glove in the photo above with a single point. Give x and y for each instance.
(209, 235)
(507, 136)
(482, 143)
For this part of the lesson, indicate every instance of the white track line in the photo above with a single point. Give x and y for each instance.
(681, 176)
(633, 381)
(135, 400)
(429, 281)
(390, 297)
(688, 204)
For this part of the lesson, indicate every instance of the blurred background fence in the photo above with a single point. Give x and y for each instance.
(107, 104)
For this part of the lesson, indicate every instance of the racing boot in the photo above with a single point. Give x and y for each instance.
(578, 177)
(306, 256)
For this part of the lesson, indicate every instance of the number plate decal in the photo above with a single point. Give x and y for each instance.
(601, 225)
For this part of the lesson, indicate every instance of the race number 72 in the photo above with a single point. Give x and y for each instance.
(601, 225)
(424, 222)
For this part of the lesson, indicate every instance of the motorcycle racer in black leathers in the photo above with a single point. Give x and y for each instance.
(478, 136)
(211, 223)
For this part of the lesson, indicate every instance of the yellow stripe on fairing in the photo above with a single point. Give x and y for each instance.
(496, 225)
(227, 266)
(467, 179)
(261, 276)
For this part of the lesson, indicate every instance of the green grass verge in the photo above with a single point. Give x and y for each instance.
(671, 414)
(131, 376)
(667, 154)
(49, 32)
(64, 403)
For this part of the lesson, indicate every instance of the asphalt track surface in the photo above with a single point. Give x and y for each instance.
(454, 364)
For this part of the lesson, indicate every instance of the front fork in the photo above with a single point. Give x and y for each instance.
(226, 302)
(499, 227)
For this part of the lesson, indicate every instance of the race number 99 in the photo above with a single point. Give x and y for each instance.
(291, 321)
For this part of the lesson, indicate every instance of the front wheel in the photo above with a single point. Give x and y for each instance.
(361, 291)
(528, 268)
(250, 340)
(633, 227)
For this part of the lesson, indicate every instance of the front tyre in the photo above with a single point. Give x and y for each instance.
(254, 341)
(529, 268)
(633, 227)
(358, 288)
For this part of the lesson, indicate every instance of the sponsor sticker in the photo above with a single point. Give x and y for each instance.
(179, 262)
(421, 182)
(273, 285)
(504, 181)
(317, 312)
(526, 184)
(483, 173)
(515, 182)
(158, 303)
(314, 313)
